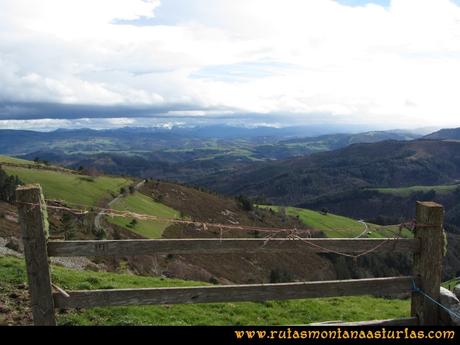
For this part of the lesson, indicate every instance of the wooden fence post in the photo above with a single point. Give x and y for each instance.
(428, 262)
(33, 218)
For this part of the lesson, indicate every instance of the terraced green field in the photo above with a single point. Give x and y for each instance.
(12, 273)
(407, 191)
(72, 188)
(337, 226)
(140, 203)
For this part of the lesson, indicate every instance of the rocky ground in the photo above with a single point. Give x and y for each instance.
(14, 305)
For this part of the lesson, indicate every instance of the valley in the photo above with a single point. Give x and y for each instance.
(350, 190)
(182, 154)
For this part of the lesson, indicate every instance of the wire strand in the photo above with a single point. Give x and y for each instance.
(415, 288)
(292, 233)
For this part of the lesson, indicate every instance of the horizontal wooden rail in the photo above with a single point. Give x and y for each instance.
(234, 293)
(227, 245)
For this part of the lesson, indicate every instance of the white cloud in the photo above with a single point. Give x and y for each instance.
(358, 64)
(39, 124)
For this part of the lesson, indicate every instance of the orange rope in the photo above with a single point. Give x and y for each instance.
(129, 214)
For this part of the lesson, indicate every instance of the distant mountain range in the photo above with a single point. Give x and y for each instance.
(337, 141)
(16, 142)
(382, 164)
(180, 153)
(445, 134)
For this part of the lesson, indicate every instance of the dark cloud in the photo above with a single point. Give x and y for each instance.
(30, 111)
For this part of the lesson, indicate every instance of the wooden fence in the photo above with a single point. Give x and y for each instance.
(426, 246)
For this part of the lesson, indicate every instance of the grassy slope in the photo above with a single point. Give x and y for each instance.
(140, 203)
(12, 273)
(407, 191)
(6, 159)
(337, 226)
(70, 187)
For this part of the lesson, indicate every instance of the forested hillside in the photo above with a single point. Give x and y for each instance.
(445, 134)
(377, 165)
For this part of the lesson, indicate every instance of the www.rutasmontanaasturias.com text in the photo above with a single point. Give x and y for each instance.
(339, 333)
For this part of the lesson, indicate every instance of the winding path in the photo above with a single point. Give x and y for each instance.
(97, 219)
(366, 229)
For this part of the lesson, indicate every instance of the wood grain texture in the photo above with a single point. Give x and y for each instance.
(428, 262)
(226, 245)
(234, 293)
(34, 226)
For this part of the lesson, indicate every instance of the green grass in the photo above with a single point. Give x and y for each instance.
(6, 159)
(12, 272)
(407, 191)
(337, 226)
(72, 188)
(450, 284)
(140, 203)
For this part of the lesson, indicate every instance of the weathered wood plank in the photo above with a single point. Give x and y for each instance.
(34, 225)
(428, 262)
(234, 293)
(410, 321)
(226, 245)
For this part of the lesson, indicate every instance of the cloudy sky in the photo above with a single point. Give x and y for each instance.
(393, 62)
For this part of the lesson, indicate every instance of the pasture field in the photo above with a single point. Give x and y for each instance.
(407, 191)
(337, 226)
(12, 274)
(72, 188)
(142, 204)
(7, 159)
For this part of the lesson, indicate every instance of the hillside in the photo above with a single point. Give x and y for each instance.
(68, 186)
(445, 134)
(379, 165)
(361, 181)
(17, 142)
(15, 309)
(182, 154)
(172, 200)
(338, 226)
(407, 191)
(168, 200)
(336, 141)
(396, 207)
(9, 226)
(142, 204)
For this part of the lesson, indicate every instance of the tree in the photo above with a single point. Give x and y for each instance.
(8, 186)
(131, 189)
(245, 203)
(133, 223)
